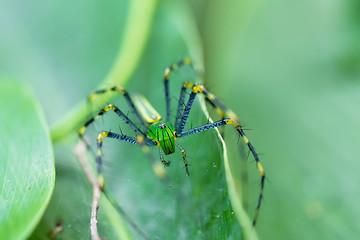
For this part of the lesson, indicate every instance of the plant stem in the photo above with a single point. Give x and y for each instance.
(137, 30)
(80, 152)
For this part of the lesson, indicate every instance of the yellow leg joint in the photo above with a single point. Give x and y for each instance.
(101, 182)
(91, 97)
(175, 66)
(197, 88)
(99, 152)
(232, 115)
(187, 61)
(167, 73)
(81, 130)
(159, 170)
(165, 162)
(211, 96)
(261, 169)
(188, 84)
(105, 109)
(111, 106)
(140, 139)
(120, 89)
(229, 121)
(101, 136)
(220, 112)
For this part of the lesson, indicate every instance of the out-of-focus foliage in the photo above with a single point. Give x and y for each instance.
(289, 69)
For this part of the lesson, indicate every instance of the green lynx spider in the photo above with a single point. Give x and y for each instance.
(154, 132)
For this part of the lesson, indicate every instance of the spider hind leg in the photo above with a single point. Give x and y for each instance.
(231, 120)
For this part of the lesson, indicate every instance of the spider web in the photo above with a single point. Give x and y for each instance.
(181, 207)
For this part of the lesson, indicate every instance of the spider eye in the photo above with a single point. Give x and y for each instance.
(162, 126)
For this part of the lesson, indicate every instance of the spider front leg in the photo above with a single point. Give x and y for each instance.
(99, 152)
(122, 90)
(219, 112)
(102, 112)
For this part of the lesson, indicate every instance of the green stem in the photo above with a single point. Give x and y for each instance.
(137, 30)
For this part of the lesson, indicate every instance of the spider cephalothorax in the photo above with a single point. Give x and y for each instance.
(163, 134)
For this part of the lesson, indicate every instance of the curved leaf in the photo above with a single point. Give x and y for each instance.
(27, 166)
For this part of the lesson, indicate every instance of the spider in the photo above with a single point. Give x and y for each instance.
(152, 131)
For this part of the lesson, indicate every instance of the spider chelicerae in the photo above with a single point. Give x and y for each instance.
(152, 131)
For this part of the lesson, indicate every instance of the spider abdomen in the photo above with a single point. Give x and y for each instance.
(163, 133)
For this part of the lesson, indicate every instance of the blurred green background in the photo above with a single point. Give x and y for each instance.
(289, 69)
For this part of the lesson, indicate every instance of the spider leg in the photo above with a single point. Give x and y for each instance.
(219, 112)
(162, 159)
(184, 116)
(183, 113)
(120, 114)
(244, 165)
(235, 122)
(141, 138)
(102, 112)
(233, 119)
(99, 152)
(168, 70)
(125, 93)
(204, 127)
(184, 158)
(181, 106)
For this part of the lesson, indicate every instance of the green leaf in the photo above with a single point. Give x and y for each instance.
(27, 164)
